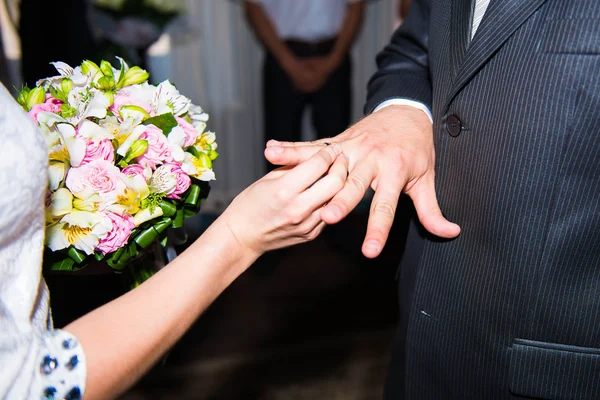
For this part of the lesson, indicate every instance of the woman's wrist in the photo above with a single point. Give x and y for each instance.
(219, 243)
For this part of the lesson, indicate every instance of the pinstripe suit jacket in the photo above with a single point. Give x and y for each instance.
(511, 308)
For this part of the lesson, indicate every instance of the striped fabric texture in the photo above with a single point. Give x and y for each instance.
(511, 308)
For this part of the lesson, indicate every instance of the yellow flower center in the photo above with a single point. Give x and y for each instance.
(62, 154)
(130, 200)
(121, 139)
(73, 232)
(198, 165)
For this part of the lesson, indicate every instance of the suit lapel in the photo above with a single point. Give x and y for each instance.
(460, 31)
(501, 20)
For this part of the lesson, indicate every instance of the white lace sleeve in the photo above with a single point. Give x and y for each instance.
(36, 362)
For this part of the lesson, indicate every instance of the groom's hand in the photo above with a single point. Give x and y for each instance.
(391, 151)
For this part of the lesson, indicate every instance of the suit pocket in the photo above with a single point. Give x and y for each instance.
(543, 370)
(571, 36)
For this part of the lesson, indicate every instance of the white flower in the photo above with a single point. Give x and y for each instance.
(61, 203)
(167, 99)
(197, 168)
(57, 171)
(92, 131)
(78, 78)
(75, 145)
(137, 131)
(163, 181)
(176, 140)
(80, 229)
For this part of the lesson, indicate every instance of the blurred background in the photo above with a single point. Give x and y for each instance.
(311, 322)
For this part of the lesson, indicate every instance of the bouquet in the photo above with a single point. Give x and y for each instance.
(127, 161)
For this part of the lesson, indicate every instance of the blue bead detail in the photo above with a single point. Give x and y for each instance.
(72, 363)
(49, 393)
(74, 394)
(69, 343)
(48, 365)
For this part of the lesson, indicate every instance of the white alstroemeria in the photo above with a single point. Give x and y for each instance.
(176, 140)
(163, 181)
(124, 148)
(138, 183)
(57, 171)
(197, 114)
(146, 215)
(78, 78)
(90, 104)
(207, 141)
(167, 99)
(117, 130)
(75, 145)
(92, 131)
(196, 168)
(136, 191)
(61, 203)
(49, 119)
(80, 229)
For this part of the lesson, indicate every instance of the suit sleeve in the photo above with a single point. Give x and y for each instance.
(403, 65)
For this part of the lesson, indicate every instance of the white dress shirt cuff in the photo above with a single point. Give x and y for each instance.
(406, 102)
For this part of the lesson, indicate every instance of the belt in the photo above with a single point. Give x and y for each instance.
(306, 47)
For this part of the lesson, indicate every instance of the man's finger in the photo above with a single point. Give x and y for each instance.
(274, 143)
(280, 155)
(381, 216)
(425, 201)
(347, 199)
(305, 174)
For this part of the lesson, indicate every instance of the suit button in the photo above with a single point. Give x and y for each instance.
(453, 125)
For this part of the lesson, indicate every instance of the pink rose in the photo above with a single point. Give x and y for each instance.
(171, 180)
(134, 170)
(191, 134)
(158, 148)
(97, 176)
(122, 225)
(125, 98)
(102, 150)
(50, 105)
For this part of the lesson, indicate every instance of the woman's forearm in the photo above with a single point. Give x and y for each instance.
(125, 337)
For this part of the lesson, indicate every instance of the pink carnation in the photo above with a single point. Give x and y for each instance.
(171, 180)
(122, 225)
(102, 150)
(99, 176)
(50, 105)
(191, 134)
(158, 148)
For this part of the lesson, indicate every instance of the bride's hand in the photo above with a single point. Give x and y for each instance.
(283, 208)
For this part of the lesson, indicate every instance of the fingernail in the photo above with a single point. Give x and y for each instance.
(277, 149)
(334, 210)
(337, 149)
(273, 142)
(372, 246)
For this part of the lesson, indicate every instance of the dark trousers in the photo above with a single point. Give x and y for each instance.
(284, 105)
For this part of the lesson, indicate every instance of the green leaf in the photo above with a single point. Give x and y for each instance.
(165, 122)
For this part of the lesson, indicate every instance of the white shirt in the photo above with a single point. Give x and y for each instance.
(479, 11)
(35, 360)
(306, 20)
